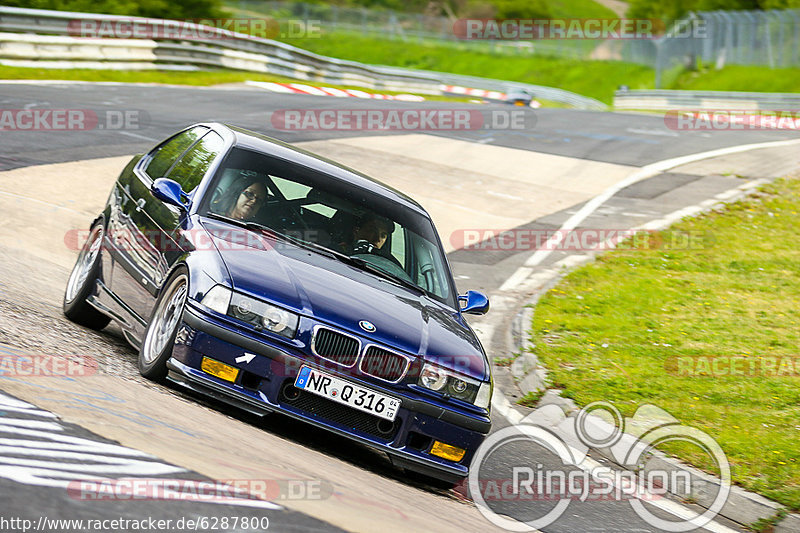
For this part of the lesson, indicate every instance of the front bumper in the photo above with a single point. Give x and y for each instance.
(265, 384)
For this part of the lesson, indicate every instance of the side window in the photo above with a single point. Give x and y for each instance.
(165, 155)
(194, 165)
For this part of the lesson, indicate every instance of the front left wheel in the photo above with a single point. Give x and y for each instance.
(81, 283)
(159, 337)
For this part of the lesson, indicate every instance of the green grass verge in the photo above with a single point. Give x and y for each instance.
(558, 9)
(579, 9)
(171, 77)
(741, 78)
(597, 79)
(206, 77)
(612, 330)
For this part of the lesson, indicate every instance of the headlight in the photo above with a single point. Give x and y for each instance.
(260, 315)
(218, 299)
(432, 377)
(484, 398)
(455, 385)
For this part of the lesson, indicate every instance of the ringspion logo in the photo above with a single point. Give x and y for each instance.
(494, 480)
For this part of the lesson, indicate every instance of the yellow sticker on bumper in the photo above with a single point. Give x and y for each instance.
(218, 369)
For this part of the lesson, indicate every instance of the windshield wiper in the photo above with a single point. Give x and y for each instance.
(366, 265)
(255, 226)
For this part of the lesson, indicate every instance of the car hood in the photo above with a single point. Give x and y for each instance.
(330, 291)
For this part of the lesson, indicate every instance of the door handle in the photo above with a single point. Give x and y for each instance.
(140, 203)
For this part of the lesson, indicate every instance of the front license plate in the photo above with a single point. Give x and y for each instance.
(347, 393)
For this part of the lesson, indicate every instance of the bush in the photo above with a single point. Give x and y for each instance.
(186, 9)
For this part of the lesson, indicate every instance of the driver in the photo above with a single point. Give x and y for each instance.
(370, 233)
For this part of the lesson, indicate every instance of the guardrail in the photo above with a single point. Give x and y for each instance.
(33, 37)
(706, 100)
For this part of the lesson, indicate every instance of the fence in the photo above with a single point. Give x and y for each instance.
(765, 38)
(719, 38)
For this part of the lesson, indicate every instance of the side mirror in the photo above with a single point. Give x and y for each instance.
(474, 303)
(169, 191)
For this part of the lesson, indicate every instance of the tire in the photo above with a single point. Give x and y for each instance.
(81, 283)
(159, 337)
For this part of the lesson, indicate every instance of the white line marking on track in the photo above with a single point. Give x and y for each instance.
(592, 205)
(129, 134)
(58, 460)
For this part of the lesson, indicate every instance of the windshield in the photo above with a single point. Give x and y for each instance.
(298, 202)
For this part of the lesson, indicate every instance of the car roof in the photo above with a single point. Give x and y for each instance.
(274, 147)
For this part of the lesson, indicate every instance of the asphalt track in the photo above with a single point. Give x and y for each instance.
(207, 440)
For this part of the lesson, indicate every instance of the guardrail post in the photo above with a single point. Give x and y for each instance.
(659, 60)
(715, 41)
(754, 37)
(363, 21)
(781, 37)
(768, 38)
(795, 13)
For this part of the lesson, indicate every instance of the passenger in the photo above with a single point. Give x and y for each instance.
(371, 233)
(242, 200)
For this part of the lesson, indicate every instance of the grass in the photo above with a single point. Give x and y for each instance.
(558, 9)
(741, 78)
(597, 79)
(504, 361)
(195, 78)
(767, 525)
(583, 9)
(205, 77)
(612, 330)
(532, 398)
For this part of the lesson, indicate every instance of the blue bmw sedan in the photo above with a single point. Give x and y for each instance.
(278, 281)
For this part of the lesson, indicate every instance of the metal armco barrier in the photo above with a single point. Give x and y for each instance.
(706, 100)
